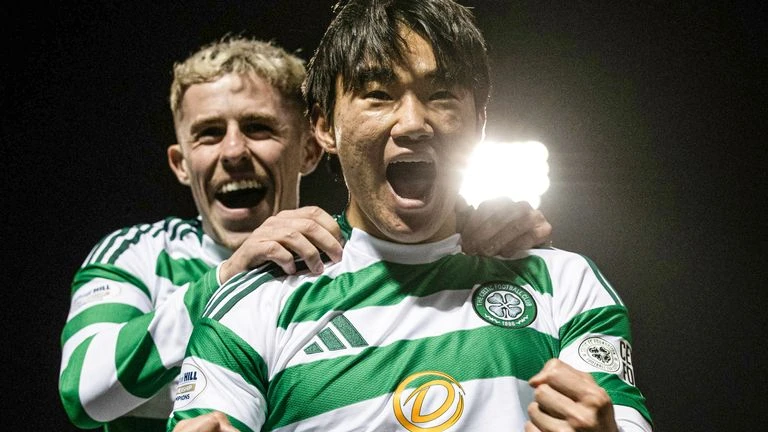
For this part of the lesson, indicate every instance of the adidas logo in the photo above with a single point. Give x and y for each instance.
(339, 334)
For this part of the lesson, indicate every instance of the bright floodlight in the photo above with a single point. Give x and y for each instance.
(518, 170)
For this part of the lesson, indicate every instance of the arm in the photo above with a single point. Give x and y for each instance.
(225, 369)
(568, 399)
(591, 386)
(220, 385)
(223, 378)
(127, 344)
(501, 227)
(118, 348)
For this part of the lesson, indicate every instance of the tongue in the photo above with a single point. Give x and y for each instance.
(412, 180)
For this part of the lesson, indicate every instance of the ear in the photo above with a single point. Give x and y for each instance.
(323, 129)
(178, 164)
(312, 153)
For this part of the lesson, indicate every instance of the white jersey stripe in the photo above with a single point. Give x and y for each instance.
(101, 356)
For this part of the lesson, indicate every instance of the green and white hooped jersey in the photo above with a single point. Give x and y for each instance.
(131, 315)
(405, 338)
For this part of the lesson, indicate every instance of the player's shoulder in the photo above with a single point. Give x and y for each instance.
(168, 224)
(557, 261)
(259, 292)
(266, 288)
(169, 228)
(146, 237)
(180, 228)
(559, 254)
(554, 257)
(574, 272)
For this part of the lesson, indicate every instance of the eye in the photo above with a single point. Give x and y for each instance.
(442, 95)
(256, 131)
(210, 135)
(377, 95)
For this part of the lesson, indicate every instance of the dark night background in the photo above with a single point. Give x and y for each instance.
(651, 112)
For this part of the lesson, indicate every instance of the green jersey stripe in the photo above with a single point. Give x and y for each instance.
(68, 388)
(342, 294)
(180, 271)
(199, 293)
(146, 374)
(622, 393)
(103, 313)
(218, 344)
(519, 353)
(608, 320)
(109, 272)
(533, 271)
(603, 282)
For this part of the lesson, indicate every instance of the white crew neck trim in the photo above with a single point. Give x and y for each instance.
(422, 253)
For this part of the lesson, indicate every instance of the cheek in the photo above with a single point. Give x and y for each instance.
(458, 122)
(284, 162)
(271, 153)
(201, 161)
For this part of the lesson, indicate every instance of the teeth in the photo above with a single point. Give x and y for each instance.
(239, 185)
(412, 158)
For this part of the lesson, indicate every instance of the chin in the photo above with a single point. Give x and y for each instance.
(410, 233)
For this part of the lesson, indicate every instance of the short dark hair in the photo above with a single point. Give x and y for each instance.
(365, 33)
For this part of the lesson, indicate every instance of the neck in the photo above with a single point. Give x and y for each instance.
(397, 229)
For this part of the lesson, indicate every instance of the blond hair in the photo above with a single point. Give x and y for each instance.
(239, 55)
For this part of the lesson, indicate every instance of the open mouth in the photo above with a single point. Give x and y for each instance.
(412, 179)
(241, 194)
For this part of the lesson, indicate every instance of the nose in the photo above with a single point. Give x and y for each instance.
(234, 147)
(412, 120)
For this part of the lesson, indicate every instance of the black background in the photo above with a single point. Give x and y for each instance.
(651, 112)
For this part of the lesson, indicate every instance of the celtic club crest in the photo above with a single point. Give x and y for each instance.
(504, 304)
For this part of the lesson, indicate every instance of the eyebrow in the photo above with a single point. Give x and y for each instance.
(441, 78)
(385, 75)
(201, 123)
(368, 74)
(204, 122)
